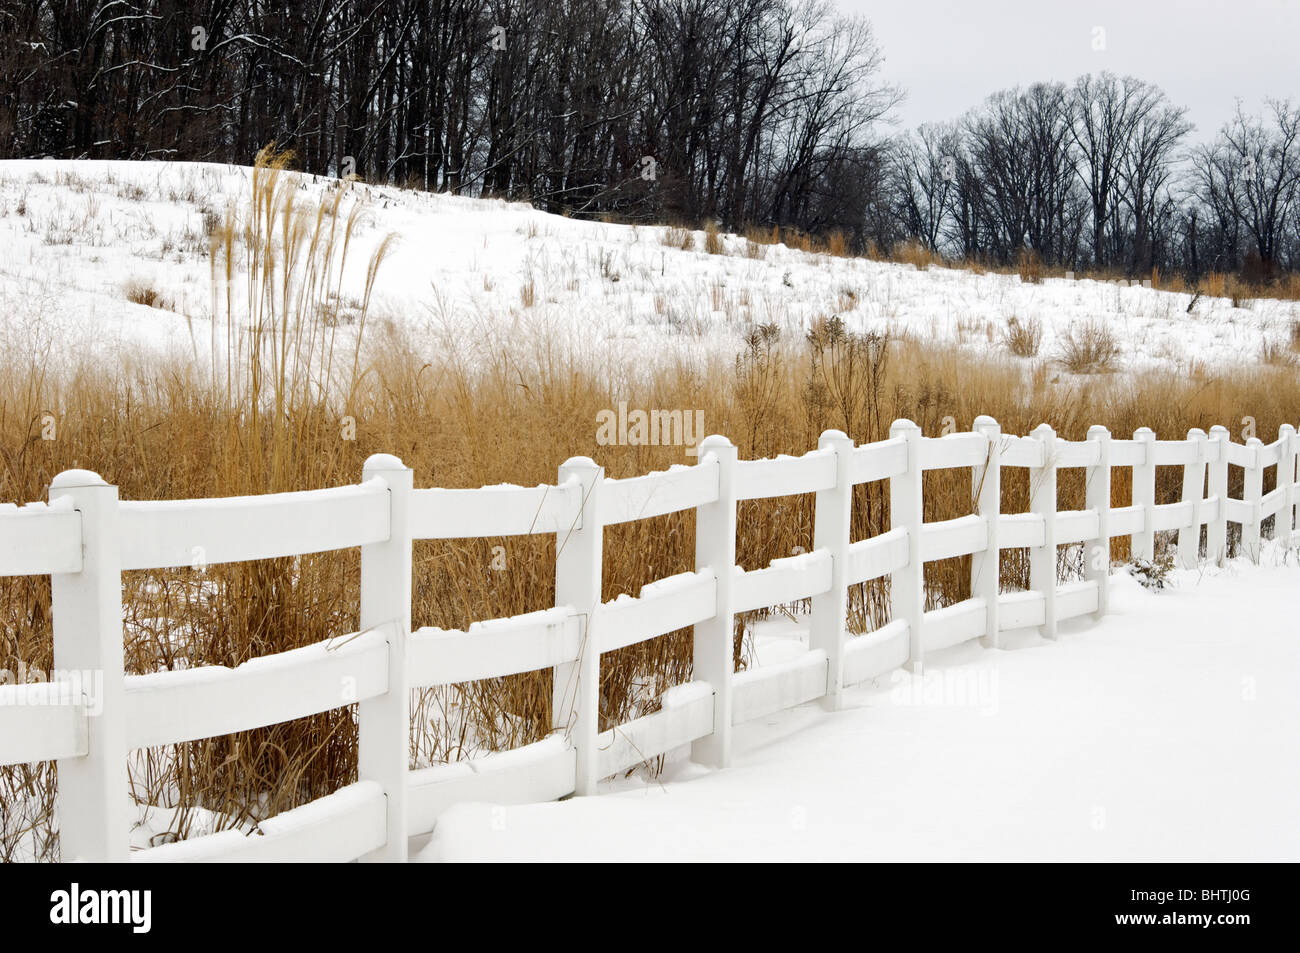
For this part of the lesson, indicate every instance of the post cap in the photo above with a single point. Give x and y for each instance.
(75, 478)
(1098, 432)
(902, 425)
(831, 435)
(383, 461)
(985, 422)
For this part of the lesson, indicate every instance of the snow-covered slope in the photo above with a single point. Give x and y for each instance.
(75, 234)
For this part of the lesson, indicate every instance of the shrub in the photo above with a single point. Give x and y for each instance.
(139, 291)
(1023, 338)
(1153, 574)
(917, 255)
(681, 238)
(1089, 348)
(713, 243)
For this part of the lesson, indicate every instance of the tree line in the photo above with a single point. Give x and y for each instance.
(747, 113)
(1100, 174)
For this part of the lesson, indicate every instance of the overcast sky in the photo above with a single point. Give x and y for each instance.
(950, 55)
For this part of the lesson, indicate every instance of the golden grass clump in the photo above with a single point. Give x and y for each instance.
(679, 238)
(1089, 347)
(1023, 338)
(917, 255)
(139, 291)
(1029, 265)
(713, 243)
(1173, 283)
(796, 239)
(758, 235)
(1215, 285)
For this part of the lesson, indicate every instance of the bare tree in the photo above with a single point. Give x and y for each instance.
(925, 181)
(1250, 177)
(1021, 153)
(1146, 170)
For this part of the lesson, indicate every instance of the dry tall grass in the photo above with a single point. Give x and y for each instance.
(713, 243)
(139, 291)
(1089, 347)
(156, 436)
(1030, 266)
(757, 235)
(680, 238)
(917, 255)
(285, 406)
(1023, 338)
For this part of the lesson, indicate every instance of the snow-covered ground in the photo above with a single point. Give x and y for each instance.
(74, 234)
(1168, 732)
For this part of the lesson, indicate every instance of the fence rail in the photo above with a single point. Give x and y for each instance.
(84, 538)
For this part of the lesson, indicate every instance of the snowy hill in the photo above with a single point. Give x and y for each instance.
(80, 238)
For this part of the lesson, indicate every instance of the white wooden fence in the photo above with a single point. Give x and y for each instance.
(84, 538)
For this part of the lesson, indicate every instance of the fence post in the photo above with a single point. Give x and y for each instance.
(986, 566)
(1284, 524)
(384, 723)
(1189, 537)
(1216, 530)
(907, 512)
(1144, 495)
(92, 800)
(714, 639)
(575, 691)
(1042, 502)
(834, 511)
(1097, 565)
(1252, 492)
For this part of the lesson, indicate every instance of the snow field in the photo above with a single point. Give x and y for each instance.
(79, 235)
(1166, 732)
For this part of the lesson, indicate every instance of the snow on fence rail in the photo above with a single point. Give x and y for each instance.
(90, 715)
